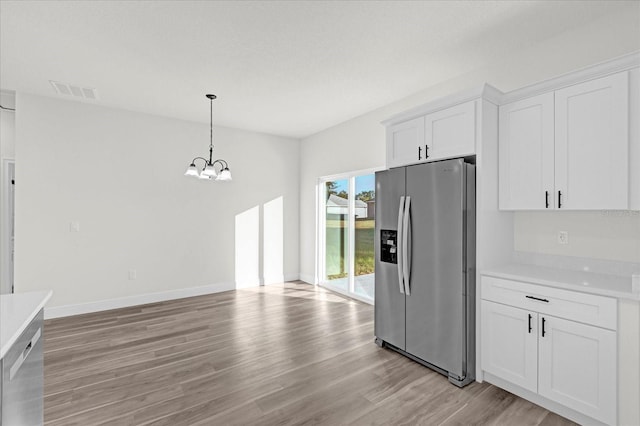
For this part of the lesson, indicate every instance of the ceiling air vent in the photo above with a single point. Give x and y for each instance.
(74, 90)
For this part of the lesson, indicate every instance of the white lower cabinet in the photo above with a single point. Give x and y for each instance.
(577, 367)
(564, 360)
(509, 345)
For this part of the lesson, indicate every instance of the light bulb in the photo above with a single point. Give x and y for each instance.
(225, 175)
(209, 170)
(191, 171)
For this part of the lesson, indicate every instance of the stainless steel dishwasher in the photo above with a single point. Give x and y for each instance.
(23, 379)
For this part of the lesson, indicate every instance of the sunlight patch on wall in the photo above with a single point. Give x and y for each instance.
(273, 241)
(247, 238)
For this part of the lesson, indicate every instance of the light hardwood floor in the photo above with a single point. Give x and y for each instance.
(276, 355)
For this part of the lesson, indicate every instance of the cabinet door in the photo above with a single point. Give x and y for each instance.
(405, 143)
(510, 344)
(451, 132)
(592, 144)
(526, 154)
(577, 367)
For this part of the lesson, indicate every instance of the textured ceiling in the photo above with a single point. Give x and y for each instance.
(281, 67)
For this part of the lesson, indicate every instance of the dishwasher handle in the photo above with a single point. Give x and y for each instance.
(25, 353)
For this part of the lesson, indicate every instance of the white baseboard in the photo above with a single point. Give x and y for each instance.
(139, 299)
(280, 279)
(276, 279)
(308, 278)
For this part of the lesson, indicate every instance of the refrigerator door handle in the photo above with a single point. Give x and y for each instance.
(399, 243)
(406, 253)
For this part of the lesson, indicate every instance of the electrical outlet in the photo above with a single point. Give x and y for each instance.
(563, 237)
(74, 226)
(133, 274)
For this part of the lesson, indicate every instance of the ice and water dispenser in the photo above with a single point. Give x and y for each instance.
(388, 246)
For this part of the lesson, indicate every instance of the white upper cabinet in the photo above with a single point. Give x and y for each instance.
(526, 154)
(451, 132)
(445, 128)
(592, 144)
(446, 133)
(405, 142)
(567, 149)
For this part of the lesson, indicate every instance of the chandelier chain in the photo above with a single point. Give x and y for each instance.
(211, 123)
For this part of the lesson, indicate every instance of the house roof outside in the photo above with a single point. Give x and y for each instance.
(334, 200)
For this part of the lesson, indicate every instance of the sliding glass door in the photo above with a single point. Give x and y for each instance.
(364, 260)
(336, 231)
(347, 230)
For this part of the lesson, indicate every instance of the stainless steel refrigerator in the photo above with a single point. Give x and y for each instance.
(425, 265)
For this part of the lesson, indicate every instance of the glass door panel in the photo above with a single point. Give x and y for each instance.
(349, 226)
(364, 259)
(337, 225)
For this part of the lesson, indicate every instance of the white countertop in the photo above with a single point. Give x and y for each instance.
(16, 312)
(622, 287)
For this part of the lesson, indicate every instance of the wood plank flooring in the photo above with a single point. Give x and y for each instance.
(276, 355)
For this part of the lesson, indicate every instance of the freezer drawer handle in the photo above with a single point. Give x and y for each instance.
(25, 353)
(538, 299)
(400, 253)
(406, 250)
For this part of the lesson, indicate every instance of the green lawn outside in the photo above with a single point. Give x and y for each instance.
(337, 236)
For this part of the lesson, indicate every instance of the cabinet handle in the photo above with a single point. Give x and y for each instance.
(530, 328)
(538, 299)
(546, 199)
(426, 152)
(559, 199)
(419, 153)
(543, 330)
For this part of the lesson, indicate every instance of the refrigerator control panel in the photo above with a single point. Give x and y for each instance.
(388, 246)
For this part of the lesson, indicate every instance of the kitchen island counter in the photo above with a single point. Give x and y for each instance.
(16, 312)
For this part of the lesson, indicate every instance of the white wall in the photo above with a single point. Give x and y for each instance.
(608, 235)
(119, 174)
(359, 143)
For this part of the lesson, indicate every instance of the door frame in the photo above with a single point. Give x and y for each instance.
(320, 229)
(8, 215)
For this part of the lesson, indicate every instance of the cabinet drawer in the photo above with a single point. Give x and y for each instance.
(586, 308)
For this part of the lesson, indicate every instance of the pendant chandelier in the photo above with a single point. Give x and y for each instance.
(209, 171)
